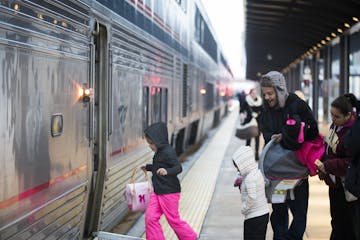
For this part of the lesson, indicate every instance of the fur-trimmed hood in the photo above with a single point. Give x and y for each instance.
(254, 103)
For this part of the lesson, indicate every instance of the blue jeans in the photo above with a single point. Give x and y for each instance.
(298, 207)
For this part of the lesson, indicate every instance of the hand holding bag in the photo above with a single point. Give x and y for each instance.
(137, 194)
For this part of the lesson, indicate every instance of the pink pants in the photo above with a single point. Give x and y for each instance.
(167, 204)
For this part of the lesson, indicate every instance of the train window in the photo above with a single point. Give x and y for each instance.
(209, 44)
(116, 6)
(145, 107)
(56, 124)
(209, 101)
(217, 95)
(129, 12)
(198, 22)
(155, 94)
(148, 3)
(204, 36)
(185, 90)
(158, 9)
(140, 20)
(164, 105)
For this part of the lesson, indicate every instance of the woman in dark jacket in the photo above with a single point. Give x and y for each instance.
(166, 196)
(279, 105)
(333, 169)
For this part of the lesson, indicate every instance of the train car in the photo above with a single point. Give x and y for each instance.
(80, 80)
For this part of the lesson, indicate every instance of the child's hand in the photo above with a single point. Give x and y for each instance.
(161, 172)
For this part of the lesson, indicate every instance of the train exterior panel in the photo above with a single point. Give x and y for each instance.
(80, 80)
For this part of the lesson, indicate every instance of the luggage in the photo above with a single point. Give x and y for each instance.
(248, 130)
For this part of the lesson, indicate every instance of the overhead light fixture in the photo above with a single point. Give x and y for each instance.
(333, 34)
(355, 19)
(318, 45)
(340, 30)
(347, 25)
(17, 7)
(269, 57)
(328, 38)
(323, 42)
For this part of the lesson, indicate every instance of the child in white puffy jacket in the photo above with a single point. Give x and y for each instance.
(254, 203)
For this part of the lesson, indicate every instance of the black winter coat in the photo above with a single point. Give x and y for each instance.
(165, 157)
(273, 120)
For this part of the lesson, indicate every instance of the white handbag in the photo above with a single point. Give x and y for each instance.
(137, 194)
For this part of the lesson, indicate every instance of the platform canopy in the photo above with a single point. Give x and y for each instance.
(278, 32)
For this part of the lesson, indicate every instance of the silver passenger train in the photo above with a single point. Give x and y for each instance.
(79, 81)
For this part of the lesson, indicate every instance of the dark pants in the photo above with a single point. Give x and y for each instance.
(343, 215)
(356, 221)
(248, 141)
(298, 207)
(255, 228)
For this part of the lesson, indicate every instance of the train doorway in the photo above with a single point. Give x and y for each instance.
(100, 82)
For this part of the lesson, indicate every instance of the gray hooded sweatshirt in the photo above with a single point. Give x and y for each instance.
(165, 157)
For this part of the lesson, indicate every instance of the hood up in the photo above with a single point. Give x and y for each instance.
(245, 160)
(158, 134)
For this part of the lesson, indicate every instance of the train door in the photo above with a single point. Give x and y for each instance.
(100, 83)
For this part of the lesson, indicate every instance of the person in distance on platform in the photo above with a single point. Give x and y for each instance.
(244, 110)
(279, 104)
(254, 101)
(166, 195)
(254, 203)
(333, 168)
